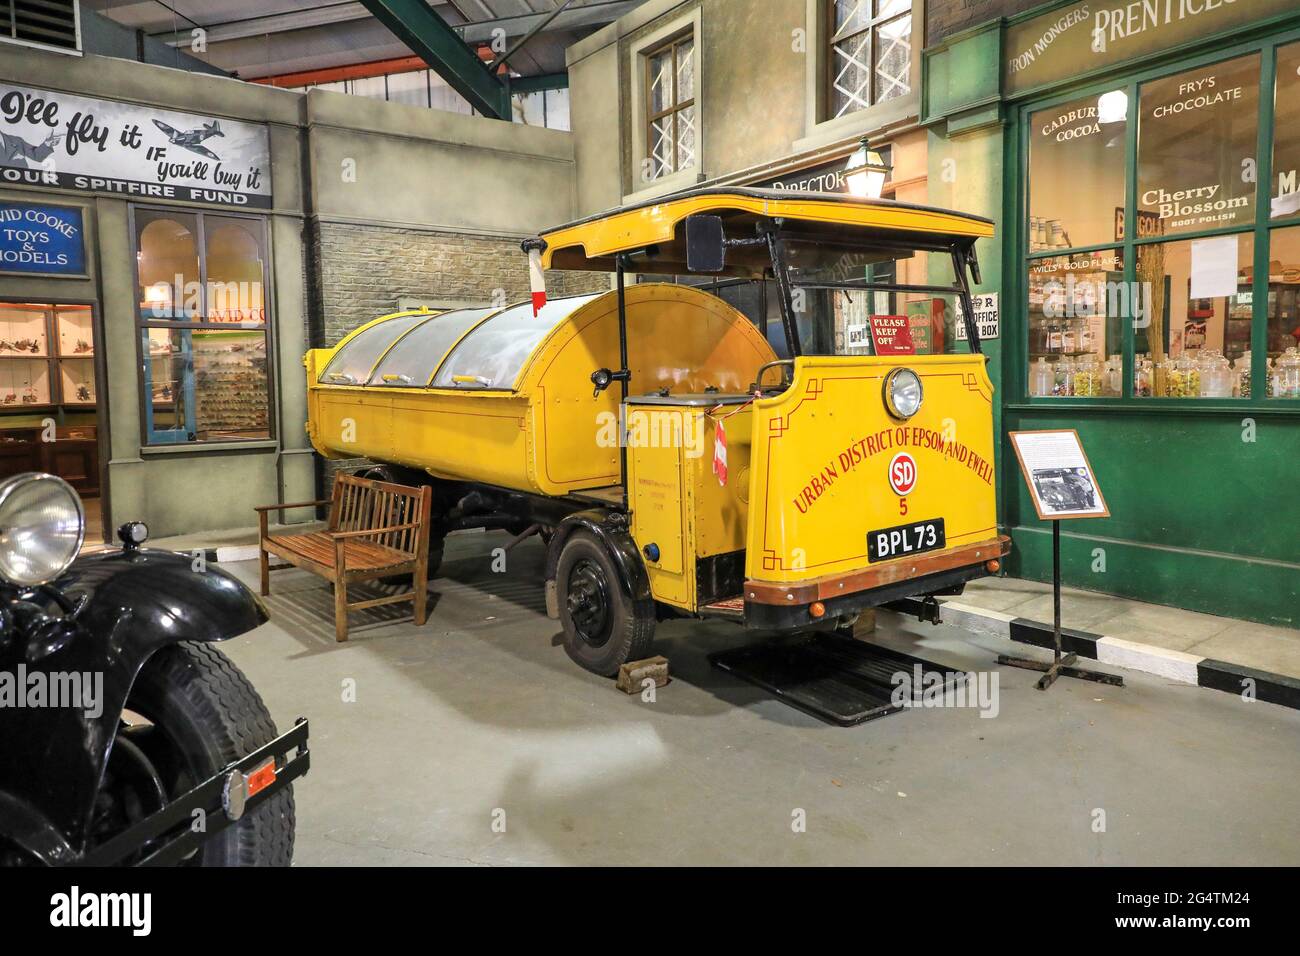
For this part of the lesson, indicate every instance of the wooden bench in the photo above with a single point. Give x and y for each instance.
(376, 530)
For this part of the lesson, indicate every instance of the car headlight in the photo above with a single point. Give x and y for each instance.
(42, 526)
(903, 393)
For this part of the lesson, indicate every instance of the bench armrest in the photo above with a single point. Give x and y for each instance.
(286, 507)
(367, 531)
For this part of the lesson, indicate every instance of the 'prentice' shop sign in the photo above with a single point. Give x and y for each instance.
(1076, 39)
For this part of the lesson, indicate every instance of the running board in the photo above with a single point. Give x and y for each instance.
(729, 609)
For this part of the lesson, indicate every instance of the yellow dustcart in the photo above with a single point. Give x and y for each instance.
(829, 451)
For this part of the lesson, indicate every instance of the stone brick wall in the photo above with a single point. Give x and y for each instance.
(364, 270)
(943, 18)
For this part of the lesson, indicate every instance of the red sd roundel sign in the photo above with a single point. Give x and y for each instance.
(902, 474)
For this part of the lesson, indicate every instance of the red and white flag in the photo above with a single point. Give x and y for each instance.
(536, 280)
(720, 451)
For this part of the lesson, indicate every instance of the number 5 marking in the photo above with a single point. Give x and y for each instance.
(902, 506)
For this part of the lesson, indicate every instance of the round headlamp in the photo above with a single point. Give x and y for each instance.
(903, 393)
(42, 526)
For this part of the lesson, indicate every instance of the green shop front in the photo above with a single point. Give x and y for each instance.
(1143, 163)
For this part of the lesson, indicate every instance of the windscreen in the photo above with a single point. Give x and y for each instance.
(903, 321)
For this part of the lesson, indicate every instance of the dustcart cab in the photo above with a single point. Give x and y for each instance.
(858, 469)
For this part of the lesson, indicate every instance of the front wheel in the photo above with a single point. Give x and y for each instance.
(602, 628)
(190, 715)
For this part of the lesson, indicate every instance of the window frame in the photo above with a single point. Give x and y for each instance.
(1016, 376)
(830, 62)
(141, 325)
(52, 47)
(673, 43)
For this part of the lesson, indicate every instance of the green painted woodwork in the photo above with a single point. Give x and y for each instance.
(1200, 518)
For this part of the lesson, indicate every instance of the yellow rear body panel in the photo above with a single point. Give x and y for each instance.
(819, 481)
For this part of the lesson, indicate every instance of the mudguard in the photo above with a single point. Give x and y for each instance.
(136, 601)
(610, 528)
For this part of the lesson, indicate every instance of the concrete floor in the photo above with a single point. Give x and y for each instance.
(480, 711)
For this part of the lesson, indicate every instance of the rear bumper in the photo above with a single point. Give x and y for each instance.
(775, 606)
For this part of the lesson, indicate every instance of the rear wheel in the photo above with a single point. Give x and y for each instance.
(192, 713)
(437, 520)
(602, 628)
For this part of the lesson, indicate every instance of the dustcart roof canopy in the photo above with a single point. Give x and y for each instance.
(654, 232)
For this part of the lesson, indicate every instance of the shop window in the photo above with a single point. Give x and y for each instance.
(870, 53)
(1283, 310)
(235, 261)
(1182, 270)
(202, 311)
(670, 107)
(1193, 323)
(167, 264)
(1286, 135)
(1197, 147)
(1076, 340)
(1076, 173)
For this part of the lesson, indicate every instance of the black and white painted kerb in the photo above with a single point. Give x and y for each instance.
(1173, 665)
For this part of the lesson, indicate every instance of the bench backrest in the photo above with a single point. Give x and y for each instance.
(361, 504)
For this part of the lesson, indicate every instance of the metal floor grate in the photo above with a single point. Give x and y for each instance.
(837, 679)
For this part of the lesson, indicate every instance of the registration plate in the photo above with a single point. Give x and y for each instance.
(905, 540)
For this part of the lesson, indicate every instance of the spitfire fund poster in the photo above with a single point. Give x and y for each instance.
(73, 142)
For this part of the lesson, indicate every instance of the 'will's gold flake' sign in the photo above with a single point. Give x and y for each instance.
(1076, 39)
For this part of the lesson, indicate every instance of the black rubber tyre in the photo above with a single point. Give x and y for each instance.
(437, 522)
(205, 714)
(601, 627)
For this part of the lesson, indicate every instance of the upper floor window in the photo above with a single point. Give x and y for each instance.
(870, 56)
(670, 107)
(54, 24)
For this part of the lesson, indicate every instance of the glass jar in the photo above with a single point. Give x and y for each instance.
(1114, 376)
(1054, 337)
(1182, 377)
(1286, 375)
(1144, 377)
(1041, 378)
(1069, 339)
(1086, 382)
(1241, 375)
(1062, 382)
(1216, 376)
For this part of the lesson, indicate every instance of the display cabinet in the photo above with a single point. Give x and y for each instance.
(47, 356)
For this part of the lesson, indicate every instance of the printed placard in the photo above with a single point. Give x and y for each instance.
(892, 335)
(987, 318)
(1057, 473)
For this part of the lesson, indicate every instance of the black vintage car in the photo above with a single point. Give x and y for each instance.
(126, 736)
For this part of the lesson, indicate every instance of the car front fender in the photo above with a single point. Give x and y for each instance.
(131, 603)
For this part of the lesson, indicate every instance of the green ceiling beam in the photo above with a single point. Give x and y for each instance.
(536, 84)
(432, 40)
